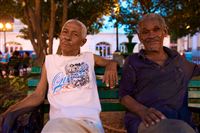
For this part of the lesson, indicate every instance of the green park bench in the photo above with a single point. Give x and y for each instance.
(106, 93)
(109, 97)
(194, 95)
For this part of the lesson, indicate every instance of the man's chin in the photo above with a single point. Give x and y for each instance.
(152, 49)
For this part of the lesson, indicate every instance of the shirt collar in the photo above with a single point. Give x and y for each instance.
(170, 53)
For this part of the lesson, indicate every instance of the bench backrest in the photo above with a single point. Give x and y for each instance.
(194, 94)
(108, 97)
(105, 93)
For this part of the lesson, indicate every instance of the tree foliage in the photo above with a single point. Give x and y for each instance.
(182, 16)
(126, 15)
(44, 18)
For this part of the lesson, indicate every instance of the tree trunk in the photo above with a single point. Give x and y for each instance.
(64, 18)
(65, 11)
(52, 25)
(35, 32)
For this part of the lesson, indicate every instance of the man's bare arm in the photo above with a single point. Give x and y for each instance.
(36, 98)
(110, 75)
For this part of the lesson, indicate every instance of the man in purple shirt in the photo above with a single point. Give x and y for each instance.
(154, 83)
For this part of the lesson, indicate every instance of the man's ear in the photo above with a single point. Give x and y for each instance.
(84, 41)
(166, 32)
(139, 37)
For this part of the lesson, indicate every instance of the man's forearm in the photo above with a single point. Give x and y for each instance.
(103, 62)
(132, 105)
(29, 101)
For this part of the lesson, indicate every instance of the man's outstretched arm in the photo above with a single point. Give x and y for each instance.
(36, 98)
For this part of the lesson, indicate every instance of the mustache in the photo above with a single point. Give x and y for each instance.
(65, 41)
(152, 39)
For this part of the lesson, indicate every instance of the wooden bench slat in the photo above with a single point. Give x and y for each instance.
(108, 94)
(104, 105)
(32, 82)
(103, 93)
(112, 107)
(194, 94)
(194, 105)
(36, 70)
(101, 70)
(194, 83)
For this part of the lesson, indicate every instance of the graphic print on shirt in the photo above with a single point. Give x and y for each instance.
(75, 76)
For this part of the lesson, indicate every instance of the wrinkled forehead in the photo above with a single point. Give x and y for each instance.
(71, 24)
(152, 22)
(149, 24)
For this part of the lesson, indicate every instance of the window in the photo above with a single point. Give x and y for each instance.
(103, 49)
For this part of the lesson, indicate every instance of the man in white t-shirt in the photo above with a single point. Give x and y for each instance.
(72, 90)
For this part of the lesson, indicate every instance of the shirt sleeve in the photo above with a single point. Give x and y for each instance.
(196, 71)
(193, 68)
(128, 79)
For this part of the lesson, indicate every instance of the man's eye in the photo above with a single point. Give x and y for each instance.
(145, 32)
(156, 29)
(75, 34)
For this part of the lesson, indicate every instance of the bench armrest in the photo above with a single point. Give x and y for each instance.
(10, 122)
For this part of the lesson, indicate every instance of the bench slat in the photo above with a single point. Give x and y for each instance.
(104, 105)
(112, 107)
(194, 84)
(108, 94)
(104, 93)
(194, 94)
(36, 70)
(100, 70)
(32, 82)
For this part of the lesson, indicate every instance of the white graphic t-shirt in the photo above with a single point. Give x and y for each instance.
(72, 89)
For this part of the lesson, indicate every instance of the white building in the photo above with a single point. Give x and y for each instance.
(190, 44)
(103, 44)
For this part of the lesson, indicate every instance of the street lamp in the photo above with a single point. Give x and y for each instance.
(4, 27)
(117, 38)
(117, 10)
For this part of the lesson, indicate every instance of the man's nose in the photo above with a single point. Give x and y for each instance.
(68, 37)
(151, 34)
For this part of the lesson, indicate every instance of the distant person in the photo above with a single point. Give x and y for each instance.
(14, 64)
(72, 90)
(25, 63)
(1, 65)
(26, 60)
(154, 83)
(4, 63)
(1, 55)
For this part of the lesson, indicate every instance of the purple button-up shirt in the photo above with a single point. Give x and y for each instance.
(161, 87)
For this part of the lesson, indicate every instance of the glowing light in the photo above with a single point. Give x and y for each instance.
(1, 26)
(187, 27)
(8, 26)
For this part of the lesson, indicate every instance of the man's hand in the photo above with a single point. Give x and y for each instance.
(110, 76)
(151, 116)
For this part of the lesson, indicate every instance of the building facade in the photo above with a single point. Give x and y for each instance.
(103, 44)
